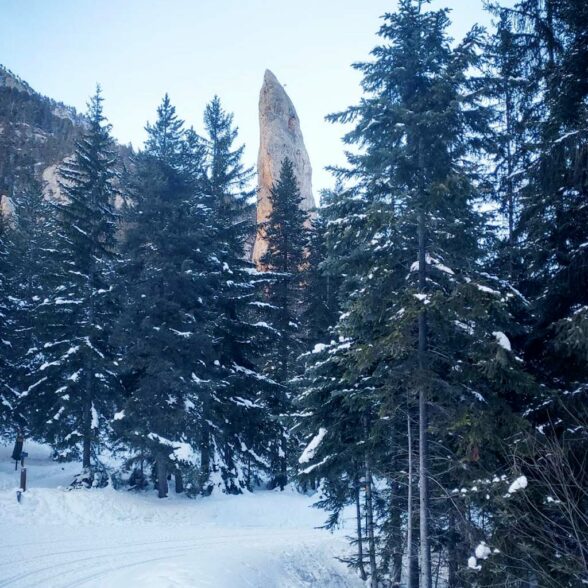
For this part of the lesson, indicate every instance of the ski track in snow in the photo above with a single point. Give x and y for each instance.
(118, 539)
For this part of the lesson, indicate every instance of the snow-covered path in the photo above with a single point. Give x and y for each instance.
(114, 539)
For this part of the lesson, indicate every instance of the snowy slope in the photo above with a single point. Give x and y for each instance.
(113, 539)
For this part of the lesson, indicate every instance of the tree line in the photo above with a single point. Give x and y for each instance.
(132, 317)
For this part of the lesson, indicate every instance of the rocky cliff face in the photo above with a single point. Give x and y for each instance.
(36, 132)
(36, 135)
(279, 137)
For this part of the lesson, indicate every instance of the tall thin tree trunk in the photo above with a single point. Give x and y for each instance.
(360, 565)
(452, 563)
(89, 392)
(509, 185)
(204, 457)
(412, 576)
(162, 487)
(395, 526)
(87, 432)
(425, 551)
(369, 503)
(179, 482)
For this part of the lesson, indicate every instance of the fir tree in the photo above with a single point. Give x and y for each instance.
(238, 426)
(319, 311)
(164, 332)
(33, 281)
(422, 323)
(8, 392)
(74, 367)
(284, 259)
(548, 41)
(285, 233)
(165, 137)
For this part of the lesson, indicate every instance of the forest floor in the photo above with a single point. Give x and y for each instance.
(55, 538)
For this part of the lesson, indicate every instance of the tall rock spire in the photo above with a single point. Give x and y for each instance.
(279, 137)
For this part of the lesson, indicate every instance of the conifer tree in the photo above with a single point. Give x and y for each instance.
(239, 428)
(33, 280)
(284, 262)
(74, 365)
(8, 393)
(164, 332)
(319, 311)
(512, 87)
(548, 42)
(285, 257)
(424, 327)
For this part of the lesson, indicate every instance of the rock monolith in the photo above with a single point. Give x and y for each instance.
(279, 137)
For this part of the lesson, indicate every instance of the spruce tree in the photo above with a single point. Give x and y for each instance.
(8, 392)
(284, 262)
(285, 233)
(319, 312)
(548, 42)
(33, 280)
(164, 330)
(74, 363)
(239, 427)
(423, 325)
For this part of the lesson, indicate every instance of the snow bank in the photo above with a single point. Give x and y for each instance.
(56, 538)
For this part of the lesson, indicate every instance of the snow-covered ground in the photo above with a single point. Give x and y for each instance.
(114, 539)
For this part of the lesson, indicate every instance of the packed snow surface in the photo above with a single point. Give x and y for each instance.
(118, 539)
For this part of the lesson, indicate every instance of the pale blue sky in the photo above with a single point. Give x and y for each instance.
(192, 49)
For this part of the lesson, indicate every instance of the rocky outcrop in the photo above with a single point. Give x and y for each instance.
(36, 135)
(280, 137)
(7, 211)
(35, 132)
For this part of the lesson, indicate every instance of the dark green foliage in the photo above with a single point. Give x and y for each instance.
(409, 245)
(163, 334)
(285, 233)
(8, 392)
(72, 368)
(319, 311)
(32, 280)
(239, 429)
(285, 263)
(437, 302)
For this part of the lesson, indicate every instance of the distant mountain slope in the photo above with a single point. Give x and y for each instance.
(36, 132)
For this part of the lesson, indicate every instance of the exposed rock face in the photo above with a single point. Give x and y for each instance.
(7, 211)
(35, 131)
(36, 135)
(279, 137)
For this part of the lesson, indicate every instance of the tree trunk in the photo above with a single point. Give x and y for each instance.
(283, 464)
(179, 482)
(412, 576)
(370, 524)
(360, 565)
(452, 563)
(162, 487)
(425, 551)
(87, 433)
(395, 527)
(204, 457)
(509, 183)
(89, 392)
